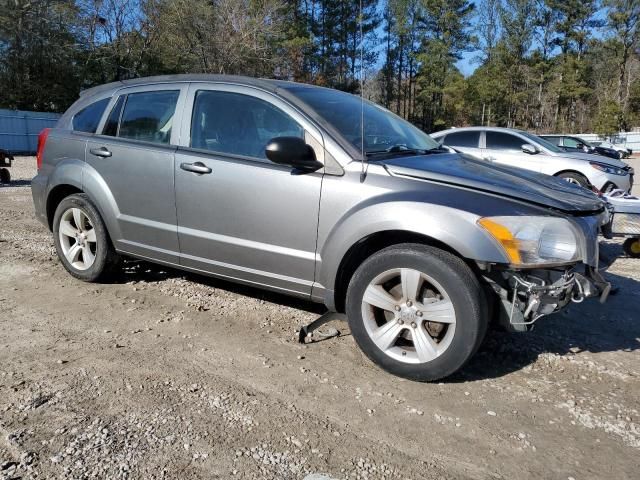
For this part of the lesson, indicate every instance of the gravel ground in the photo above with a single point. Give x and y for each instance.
(162, 374)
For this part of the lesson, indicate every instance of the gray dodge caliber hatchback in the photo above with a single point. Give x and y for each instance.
(281, 186)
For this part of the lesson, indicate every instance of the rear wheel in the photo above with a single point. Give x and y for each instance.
(575, 178)
(416, 311)
(81, 239)
(5, 175)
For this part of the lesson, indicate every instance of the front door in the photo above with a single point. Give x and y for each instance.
(241, 216)
(134, 155)
(506, 149)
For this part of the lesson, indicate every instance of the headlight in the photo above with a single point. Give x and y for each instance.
(608, 168)
(530, 241)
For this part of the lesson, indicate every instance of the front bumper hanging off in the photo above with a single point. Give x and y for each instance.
(525, 297)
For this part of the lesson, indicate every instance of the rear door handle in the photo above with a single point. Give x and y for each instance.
(102, 152)
(197, 167)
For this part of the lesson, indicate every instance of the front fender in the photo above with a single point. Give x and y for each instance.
(453, 227)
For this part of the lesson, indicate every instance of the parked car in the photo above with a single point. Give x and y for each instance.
(266, 183)
(521, 149)
(624, 151)
(576, 144)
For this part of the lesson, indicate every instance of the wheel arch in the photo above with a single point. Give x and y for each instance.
(373, 243)
(55, 196)
(570, 170)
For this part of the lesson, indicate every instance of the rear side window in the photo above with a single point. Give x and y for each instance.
(147, 116)
(462, 139)
(503, 141)
(554, 140)
(238, 124)
(87, 119)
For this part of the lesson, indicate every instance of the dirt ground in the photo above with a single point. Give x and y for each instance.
(162, 374)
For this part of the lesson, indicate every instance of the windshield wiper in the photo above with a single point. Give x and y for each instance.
(404, 150)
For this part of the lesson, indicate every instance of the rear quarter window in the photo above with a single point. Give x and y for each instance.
(87, 119)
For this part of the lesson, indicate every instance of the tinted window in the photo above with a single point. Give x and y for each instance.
(111, 126)
(148, 116)
(238, 124)
(572, 143)
(462, 139)
(503, 141)
(87, 119)
(554, 140)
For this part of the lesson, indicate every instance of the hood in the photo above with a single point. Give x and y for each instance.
(593, 158)
(464, 171)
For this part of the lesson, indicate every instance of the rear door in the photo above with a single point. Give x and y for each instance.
(506, 148)
(134, 156)
(240, 215)
(466, 141)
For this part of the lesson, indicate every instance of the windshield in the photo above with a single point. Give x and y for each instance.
(383, 130)
(542, 142)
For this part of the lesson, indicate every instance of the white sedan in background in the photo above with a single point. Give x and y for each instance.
(521, 149)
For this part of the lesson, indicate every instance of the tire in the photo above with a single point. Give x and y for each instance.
(5, 176)
(91, 255)
(575, 178)
(631, 247)
(446, 289)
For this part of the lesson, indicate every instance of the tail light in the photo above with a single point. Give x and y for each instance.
(42, 139)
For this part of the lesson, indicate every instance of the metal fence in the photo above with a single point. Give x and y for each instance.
(626, 139)
(19, 130)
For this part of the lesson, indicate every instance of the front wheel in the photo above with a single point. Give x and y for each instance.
(81, 239)
(575, 178)
(416, 311)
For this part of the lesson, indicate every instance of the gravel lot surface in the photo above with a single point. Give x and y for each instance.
(162, 374)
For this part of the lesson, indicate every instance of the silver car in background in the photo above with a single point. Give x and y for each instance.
(273, 184)
(521, 149)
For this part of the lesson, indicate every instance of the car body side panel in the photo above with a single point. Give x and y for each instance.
(249, 219)
(350, 211)
(62, 164)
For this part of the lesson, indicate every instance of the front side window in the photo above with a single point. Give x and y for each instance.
(572, 143)
(87, 119)
(554, 140)
(463, 139)
(148, 116)
(238, 124)
(503, 141)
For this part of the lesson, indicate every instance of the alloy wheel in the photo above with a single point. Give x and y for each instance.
(408, 315)
(77, 238)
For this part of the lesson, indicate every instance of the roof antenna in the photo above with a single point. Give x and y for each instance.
(363, 171)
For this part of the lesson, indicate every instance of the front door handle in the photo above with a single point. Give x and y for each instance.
(102, 152)
(197, 167)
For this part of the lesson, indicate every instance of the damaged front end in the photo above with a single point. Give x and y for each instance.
(524, 296)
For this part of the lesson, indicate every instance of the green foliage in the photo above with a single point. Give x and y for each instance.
(540, 65)
(608, 120)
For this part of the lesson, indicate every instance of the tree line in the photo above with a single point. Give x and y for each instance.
(543, 65)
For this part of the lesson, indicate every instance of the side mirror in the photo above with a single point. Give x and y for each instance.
(294, 152)
(530, 149)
